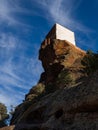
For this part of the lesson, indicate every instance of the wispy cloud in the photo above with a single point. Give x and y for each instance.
(63, 12)
(7, 41)
(6, 12)
(58, 11)
(19, 67)
(18, 70)
(10, 11)
(16, 80)
(10, 97)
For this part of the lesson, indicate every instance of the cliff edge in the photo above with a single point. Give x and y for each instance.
(65, 97)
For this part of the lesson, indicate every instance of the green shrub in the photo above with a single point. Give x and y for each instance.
(90, 61)
(38, 89)
(65, 78)
(3, 114)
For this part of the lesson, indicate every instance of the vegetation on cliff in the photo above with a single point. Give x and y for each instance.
(65, 78)
(90, 61)
(3, 115)
(66, 95)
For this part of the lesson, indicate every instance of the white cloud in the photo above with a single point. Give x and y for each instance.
(15, 87)
(6, 12)
(15, 81)
(59, 11)
(18, 71)
(25, 72)
(7, 41)
(9, 98)
(9, 10)
(62, 12)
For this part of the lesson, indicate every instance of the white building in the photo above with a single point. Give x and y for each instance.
(62, 33)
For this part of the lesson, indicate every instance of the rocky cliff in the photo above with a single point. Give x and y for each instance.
(59, 58)
(65, 97)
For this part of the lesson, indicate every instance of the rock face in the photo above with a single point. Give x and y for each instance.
(56, 55)
(8, 128)
(65, 98)
(71, 108)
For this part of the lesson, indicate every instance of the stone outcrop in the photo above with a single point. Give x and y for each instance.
(71, 108)
(65, 97)
(8, 128)
(56, 55)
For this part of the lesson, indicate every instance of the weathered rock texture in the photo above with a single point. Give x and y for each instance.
(71, 108)
(65, 98)
(8, 128)
(58, 54)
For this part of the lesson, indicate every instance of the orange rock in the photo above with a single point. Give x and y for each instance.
(8, 128)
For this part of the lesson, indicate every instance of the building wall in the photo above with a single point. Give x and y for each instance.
(52, 33)
(63, 33)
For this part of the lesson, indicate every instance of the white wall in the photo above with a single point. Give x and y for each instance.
(63, 33)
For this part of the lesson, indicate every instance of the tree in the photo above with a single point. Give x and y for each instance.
(3, 115)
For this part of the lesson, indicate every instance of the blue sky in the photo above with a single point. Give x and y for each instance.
(23, 26)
